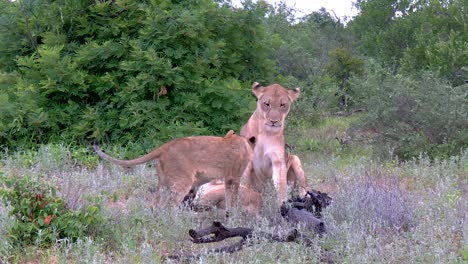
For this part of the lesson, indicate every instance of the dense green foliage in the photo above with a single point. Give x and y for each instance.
(74, 71)
(415, 36)
(341, 67)
(94, 69)
(418, 103)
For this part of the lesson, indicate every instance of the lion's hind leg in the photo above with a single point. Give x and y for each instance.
(174, 183)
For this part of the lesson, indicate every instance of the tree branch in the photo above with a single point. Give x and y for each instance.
(218, 232)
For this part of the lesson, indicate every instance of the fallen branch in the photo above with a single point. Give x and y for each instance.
(303, 210)
(219, 232)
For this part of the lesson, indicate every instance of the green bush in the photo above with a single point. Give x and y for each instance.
(97, 70)
(414, 116)
(40, 217)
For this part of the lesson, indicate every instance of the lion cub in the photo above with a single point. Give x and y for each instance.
(184, 164)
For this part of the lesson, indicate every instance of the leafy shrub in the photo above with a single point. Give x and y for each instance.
(341, 67)
(40, 217)
(98, 70)
(414, 116)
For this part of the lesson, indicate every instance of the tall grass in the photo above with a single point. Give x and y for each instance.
(383, 212)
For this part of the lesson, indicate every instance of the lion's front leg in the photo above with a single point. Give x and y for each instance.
(279, 175)
(296, 174)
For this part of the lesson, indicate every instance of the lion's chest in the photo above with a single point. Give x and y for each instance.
(262, 163)
(262, 168)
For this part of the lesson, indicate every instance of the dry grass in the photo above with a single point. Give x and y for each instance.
(383, 212)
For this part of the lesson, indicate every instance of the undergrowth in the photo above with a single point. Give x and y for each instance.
(40, 217)
(382, 211)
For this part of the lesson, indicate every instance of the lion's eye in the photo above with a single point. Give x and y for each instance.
(283, 105)
(267, 104)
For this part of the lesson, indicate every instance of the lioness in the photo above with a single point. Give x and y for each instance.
(264, 130)
(186, 163)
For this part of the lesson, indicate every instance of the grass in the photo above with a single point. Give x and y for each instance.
(383, 211)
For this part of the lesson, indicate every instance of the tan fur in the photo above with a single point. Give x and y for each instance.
(212, 195)
(264, 130)
(296, 175)
(186, 163)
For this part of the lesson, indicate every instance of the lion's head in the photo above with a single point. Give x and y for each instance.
(273, 105)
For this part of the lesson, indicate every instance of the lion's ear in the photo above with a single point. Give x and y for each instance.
(256, 85)
(230, 133)
(294, 93)
(257, 89)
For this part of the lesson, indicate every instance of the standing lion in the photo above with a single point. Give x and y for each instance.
(184, 164)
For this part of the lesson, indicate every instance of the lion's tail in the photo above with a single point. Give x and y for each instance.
(127, 163)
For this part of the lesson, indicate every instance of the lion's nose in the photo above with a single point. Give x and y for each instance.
(274, 121)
